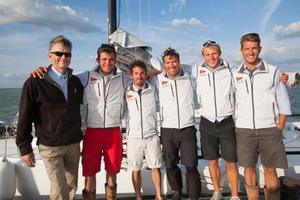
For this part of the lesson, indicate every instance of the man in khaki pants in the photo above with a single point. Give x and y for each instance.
(262, 108)
(52, 103)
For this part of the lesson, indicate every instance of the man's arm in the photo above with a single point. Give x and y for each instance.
(281, 121)
(41, 71)
(24, 127)
(83, 77)
(283, 101)
(126, 80)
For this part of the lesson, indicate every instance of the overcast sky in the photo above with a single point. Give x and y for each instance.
(27, 26)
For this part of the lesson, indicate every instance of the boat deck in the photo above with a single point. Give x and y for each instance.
(32, 183)
(202, 197)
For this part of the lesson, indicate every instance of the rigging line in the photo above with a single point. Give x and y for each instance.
(127, 10)
(149, 12)
(140, 5)
(119, 11)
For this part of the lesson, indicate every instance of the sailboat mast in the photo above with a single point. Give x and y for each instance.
(112, 16)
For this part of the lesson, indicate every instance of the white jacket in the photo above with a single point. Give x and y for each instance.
(215, 91)
(142, 118)
(176, 101)
(104, 106)
(256, 98)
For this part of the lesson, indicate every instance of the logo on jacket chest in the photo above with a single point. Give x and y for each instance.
(202, 72)
(239, 78)
(130, 97)
(165, 83)
(93, 79)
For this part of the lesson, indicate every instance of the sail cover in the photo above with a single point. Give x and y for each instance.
(130, 48)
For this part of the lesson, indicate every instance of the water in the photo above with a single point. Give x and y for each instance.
(9, 103)
(10, 99)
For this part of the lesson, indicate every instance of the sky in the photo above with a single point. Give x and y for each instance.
(27, 26)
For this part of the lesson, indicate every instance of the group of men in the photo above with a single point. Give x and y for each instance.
(243, 112)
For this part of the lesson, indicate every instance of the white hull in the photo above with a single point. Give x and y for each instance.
(32, 183)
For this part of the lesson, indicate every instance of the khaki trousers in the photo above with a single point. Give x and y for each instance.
(61, 164)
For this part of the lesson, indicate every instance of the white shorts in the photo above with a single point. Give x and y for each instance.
(149, 148)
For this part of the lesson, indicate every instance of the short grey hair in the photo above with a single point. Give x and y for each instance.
(60, 39)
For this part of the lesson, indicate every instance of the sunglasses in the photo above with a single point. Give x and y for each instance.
(60, 54)
(170, 51)
(210, 42)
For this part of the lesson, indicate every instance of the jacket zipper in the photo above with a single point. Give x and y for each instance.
(137, 107)
(141, 111)
(247, 86)
(252, 95)
(99, 89)
(215, 99)
(177, 104)
(209, 80)
(172, 90)
(104, 98)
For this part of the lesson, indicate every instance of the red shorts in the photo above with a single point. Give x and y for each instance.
(98, 142)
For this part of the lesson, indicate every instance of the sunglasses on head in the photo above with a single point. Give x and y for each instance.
(169, 51)
(209, 42)
(60, 54)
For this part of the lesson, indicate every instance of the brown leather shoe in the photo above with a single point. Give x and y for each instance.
(110, 192)
(88, 195)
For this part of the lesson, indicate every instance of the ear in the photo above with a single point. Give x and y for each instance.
(49, 55)
(98, 60)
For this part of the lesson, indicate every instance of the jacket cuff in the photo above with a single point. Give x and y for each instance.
(25, 149)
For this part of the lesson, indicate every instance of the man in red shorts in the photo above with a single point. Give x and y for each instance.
(103, 99)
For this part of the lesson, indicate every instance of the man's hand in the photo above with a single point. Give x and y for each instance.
(152, 73)
(29, 159)
(284, 77)
(39, 72)
(281, 121)
(280, 126)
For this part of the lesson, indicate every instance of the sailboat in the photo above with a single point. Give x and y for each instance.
(20, 182)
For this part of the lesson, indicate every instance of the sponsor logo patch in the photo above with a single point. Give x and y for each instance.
(164, 83)
(202, 71)
(93, 78)
(129, 96)
(238, 78)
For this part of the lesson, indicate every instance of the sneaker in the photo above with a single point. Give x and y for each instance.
(177, 195)
(235, 198)
(216, 196)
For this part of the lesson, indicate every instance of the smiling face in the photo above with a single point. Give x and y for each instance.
(172, 66)
(211, 56)
(250, 51)
(138, 76)
(107, 62)
(60, 63)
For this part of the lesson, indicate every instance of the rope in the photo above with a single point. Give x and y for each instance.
(140, 9)
(127, 10)
(149, 12)
(119, 11)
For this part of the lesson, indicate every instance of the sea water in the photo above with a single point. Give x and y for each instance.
(10, 99)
